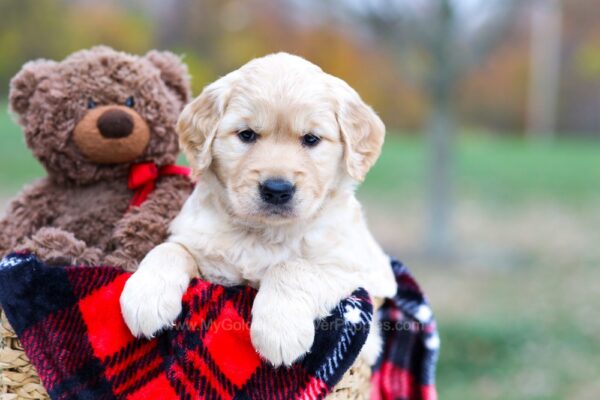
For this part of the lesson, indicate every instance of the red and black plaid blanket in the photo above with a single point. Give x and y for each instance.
(70, 325)
(406, 368)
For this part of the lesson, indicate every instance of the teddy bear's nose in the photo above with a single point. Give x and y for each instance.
(114, 124)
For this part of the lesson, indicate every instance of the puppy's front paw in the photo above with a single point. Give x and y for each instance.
(281, 334)
(150, 303)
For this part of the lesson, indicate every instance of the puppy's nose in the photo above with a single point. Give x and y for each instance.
(114, 124)
(276, 191)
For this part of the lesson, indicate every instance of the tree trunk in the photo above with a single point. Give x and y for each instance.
(440, 138)
(440, 145)
(546, 27)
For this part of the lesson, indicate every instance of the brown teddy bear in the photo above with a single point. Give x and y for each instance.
(102, 123)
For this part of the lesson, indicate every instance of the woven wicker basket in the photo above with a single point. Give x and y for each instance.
(355, 384)
(19, 379)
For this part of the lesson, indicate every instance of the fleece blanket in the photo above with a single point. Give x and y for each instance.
(69, 322)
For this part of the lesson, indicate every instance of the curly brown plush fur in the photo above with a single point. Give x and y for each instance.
(78, 213)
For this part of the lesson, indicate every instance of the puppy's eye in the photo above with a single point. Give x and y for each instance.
(130, 102)
(91, 104)
(310, 140)
(248, 136)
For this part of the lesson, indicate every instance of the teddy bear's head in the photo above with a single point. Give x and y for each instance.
(90, 116)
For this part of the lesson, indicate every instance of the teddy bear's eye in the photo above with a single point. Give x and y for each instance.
(130, 102)
(91, 104)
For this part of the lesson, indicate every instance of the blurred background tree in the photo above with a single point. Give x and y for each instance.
(546, 27)
(461, 85)
(445, 39)
(52, 29)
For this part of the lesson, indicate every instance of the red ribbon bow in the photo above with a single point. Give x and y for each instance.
(143, 176)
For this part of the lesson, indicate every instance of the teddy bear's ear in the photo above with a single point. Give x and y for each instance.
(24, 84)
(173, 72)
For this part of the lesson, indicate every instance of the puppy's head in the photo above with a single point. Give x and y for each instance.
(281, 137)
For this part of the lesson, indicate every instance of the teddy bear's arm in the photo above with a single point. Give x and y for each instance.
(28, 225)
(32, 209)
(146, 226)
(56, 246)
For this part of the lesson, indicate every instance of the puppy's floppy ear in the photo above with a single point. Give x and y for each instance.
(24, 84)
(173, 72)
(198, 123)
(362, 130)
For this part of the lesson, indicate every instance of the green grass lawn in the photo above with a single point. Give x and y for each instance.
(527, 334)
(17, 165)
(499, 169)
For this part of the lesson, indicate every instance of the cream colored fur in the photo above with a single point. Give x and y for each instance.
(303, 260)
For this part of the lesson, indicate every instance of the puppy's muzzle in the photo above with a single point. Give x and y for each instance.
(276, 191)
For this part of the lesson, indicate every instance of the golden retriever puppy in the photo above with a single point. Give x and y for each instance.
(279, 147)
